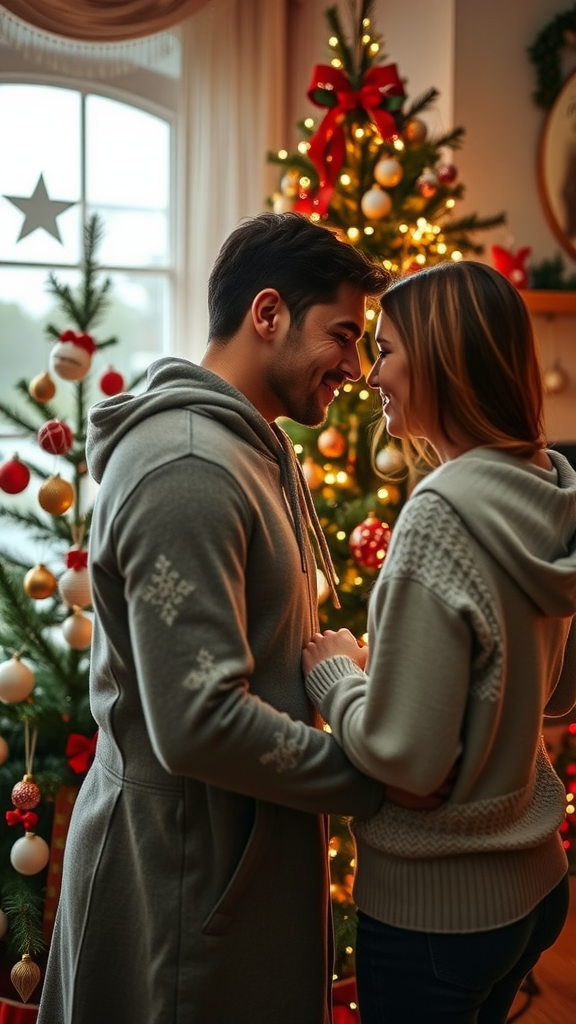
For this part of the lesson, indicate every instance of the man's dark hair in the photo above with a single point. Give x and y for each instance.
(304, 262)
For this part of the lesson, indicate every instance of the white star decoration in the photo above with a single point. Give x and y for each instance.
(40, 211)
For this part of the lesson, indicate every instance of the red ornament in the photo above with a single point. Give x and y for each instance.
(25, 794)
(512, 265)
(446, 174)
(331, 443)
(427, 184)
(369, 542)
(14, 476)
(112, 382)
(55, 437)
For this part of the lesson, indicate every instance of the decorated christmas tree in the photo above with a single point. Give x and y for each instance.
(47, 734)
(370, 171)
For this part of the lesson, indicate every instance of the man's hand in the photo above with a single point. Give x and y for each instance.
(327, 644)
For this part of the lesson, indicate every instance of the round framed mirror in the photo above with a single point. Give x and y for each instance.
(557, 166)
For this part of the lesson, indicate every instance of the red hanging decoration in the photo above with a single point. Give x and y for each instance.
(14, 476)
(55, 437)
(369, 542)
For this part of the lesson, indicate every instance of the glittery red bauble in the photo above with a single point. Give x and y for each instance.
(112, 382)
(331, 443)
(55, 437)
(369, 542)
(26, 794)
(14, 476)
(446, 173)
(427, 185)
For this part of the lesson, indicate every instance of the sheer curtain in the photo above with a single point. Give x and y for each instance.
(232, 113)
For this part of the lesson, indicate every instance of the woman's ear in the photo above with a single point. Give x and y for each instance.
(269, 313)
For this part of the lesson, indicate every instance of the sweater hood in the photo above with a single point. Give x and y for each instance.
(178, 383)
(524, 516)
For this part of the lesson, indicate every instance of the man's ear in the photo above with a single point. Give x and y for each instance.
(269, 313)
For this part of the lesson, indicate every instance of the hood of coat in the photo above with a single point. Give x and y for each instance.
(524, 516)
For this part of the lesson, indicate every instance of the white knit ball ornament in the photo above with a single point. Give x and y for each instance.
(77, 630)
(30, 854)
(16, 681)
(74, 587)
(376, 203)
(70, 361)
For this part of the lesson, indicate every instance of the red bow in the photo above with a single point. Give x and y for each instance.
(76, 559)
(80, 751)
(29, 819)
(381, 90)
(83, 340)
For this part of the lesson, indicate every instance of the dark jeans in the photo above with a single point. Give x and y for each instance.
(408, 977)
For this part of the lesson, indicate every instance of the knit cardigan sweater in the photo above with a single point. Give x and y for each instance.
(472, 641)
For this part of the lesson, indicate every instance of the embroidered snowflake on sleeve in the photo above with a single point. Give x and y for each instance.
(204, 674)
(285, 754)
(166, 590)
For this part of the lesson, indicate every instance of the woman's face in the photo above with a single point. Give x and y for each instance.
(391, 376)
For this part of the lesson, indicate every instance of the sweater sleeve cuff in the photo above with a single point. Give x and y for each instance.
(326, 673)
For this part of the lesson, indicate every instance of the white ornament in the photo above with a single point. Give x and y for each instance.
(16, 681)
(77, 630)
(30, 854)
(74, 587)
(322, 586)
(389, 460)
(3, 924)
(70, 361)
(4, 750)
(376, 203)
(388, 172)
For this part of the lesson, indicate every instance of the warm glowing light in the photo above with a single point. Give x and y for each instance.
(349, 950)
(303, 147)
(450, 203)
(309, 122)
(422, 223)
(403, 228)
(570, 809)
(333, 41)
(353, 234)
(398, 144)
(456, 256)
(326, 727)
(341, 477)
(365, 22)
(383, 493)
(336, 63)
(345, 179)
(368, 230)
(353, 1006)
(569, 797)
(359, 133)
(365, 39)
(333, 853)
(341, 535)
(347, 387)
(282, 154)
(420, 258)
(329, 478)
(298, 449)
(441, 248)
(370, 314)
(374, 48)
(304, 182)
(315, 217)
(358, 581)
(388, 265)
(364, 395)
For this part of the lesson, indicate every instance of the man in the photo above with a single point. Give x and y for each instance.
(195, 883)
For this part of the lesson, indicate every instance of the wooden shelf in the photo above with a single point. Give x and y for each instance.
(549, 303)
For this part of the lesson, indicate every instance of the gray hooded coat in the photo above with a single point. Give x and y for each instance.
(195, 880)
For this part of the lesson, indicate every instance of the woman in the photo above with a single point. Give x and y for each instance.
(472, 640)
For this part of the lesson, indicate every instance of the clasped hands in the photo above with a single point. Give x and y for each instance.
(343, 642)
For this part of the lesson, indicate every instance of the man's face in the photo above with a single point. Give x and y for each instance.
(316, 359)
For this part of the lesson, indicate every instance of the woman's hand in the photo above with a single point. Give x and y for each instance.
(327, 644)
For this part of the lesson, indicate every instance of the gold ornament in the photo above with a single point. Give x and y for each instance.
(77, 630)
(388, 172)
(25, 976)
(42, 388)
(555, 379)
(331, 443)
(56, 495)
(39, 582)
(313, 472)
(415, 131)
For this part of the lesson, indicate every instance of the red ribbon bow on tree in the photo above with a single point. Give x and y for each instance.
(29, 819)
(80, 751)
(82, 340)
(381, 90)
(76, 559)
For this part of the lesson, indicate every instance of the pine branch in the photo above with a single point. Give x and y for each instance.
(473, 223)
(17, 419)
(45, 409)
(39, 528)
(422, 102)
(24, 909)
(342, 50)
(63, 293)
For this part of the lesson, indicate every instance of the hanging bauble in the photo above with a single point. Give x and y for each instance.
(322, 587)
(388, 171)
(71, 356)
(555, 379)
(42, 388)
(376, 203)
(369, 542)
(26, 794)
(112, 382)
(427, 184)
(290, 183)
(16, 681)
(30, 854)
(56, 495)
(14, 476)
(313, 472)
(446, 174)
(331, 443)
(74, 584)
(282, 204)
(389, 460)
(55, 437)
(77, 630)
(39, 583)
(415, 131)
(3, 924)
(4, 750)
(25, 976)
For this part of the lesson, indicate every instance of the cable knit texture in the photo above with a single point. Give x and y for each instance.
(472, 641)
